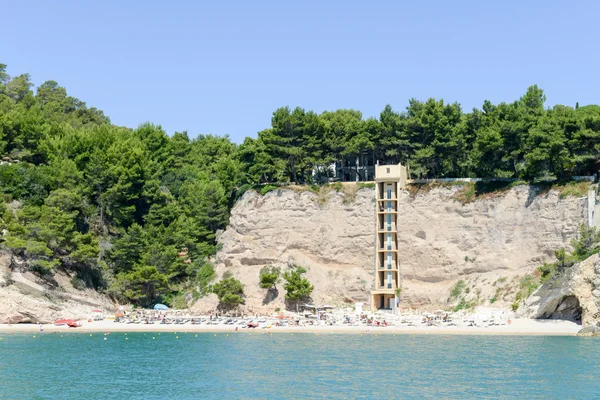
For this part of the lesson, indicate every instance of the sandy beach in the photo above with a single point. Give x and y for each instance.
(517, 327)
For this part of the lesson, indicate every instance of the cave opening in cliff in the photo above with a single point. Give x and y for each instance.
(568, 308)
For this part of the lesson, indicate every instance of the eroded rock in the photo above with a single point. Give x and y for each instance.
(574, 295)
(589, 331)
(440, 240)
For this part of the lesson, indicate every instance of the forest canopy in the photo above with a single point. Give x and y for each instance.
(135, 212)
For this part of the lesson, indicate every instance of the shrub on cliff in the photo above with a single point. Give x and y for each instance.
(266, 189)
(269, 277)
(585, 245)
(527, 285)
(204, 275)
(297, 287)
(229, 290)
(457, 289)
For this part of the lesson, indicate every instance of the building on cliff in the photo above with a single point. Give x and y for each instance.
(389, 180)
(355, 168)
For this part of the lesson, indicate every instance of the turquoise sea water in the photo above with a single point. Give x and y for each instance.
(284, 366)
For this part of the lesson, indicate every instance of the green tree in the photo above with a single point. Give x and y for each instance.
(206, 202)
(292, 140)
(229, 290)
(269, 277)
(127, 250)
(19, 87)
(297, 287)
(144, 285)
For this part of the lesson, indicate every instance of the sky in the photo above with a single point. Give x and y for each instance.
(223, 67)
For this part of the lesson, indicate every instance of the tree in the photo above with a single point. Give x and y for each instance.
(293, 141)
(259, 163)
(4, 77)
(128, 249)
(269, 277)
(546, 154)
(18, 87)
(206, 202)
(297, 287)
(229, 290)
(144, 285)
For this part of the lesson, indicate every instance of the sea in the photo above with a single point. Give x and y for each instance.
(258, 365)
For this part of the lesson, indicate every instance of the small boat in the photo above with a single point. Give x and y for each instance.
(60, 322)
(74, 324)
(252, 325)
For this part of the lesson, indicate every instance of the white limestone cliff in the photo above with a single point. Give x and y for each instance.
(24, 298)
(489, 240)
(574, 295)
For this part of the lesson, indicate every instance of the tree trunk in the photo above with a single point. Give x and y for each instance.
(294, 171)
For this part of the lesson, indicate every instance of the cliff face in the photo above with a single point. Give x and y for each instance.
(441, 240)
(26, 298)
(574, 295)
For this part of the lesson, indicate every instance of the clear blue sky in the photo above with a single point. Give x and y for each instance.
(223, 67)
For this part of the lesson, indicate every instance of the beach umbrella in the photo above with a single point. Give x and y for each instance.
(161, 307)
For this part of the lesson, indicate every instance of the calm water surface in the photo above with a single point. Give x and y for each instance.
(284, 366)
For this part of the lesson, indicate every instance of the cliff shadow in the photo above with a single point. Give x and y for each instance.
(534, 191)
(271, 295)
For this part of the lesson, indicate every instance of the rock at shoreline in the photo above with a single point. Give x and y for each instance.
(589, 330)
(26, 299)
(575, 295)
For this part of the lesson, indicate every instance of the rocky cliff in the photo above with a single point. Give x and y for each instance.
(574, 295)
(26, 298)
(488, 243)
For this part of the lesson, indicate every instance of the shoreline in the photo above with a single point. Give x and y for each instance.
(518, 327)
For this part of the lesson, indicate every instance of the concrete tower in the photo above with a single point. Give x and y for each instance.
(389, 180)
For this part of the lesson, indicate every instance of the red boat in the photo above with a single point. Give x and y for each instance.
(74, 324)
(63, 321)
(252, 325)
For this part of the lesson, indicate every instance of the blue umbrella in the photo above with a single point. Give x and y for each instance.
(160, 307)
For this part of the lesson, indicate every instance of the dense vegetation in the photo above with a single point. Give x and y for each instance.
(509, 140)
(134, 212)
(130, 211)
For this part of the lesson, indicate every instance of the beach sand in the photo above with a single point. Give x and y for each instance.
(517, 327)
